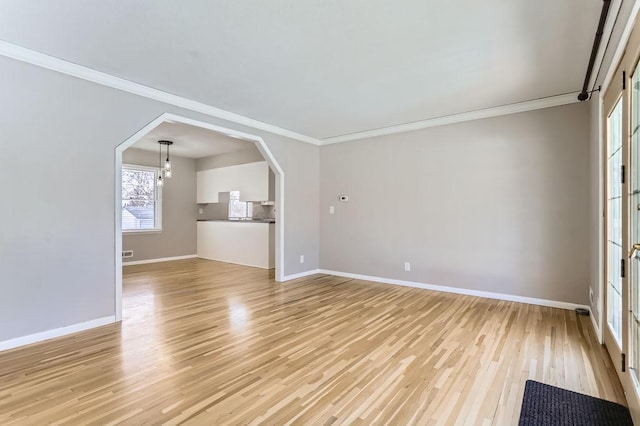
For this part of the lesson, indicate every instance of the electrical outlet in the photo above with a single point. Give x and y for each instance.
(591, 295)
(332, 209)
(302, 258)
(407, 266)
(200, 210)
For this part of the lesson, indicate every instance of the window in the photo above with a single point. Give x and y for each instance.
(237, 208)
(141, 199)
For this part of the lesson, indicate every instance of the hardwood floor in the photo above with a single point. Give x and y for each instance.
(204, 342)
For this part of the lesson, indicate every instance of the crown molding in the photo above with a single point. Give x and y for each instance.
(32, 57)
(42, 60)
(532, 105)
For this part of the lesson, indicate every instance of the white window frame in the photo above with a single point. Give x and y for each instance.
(158, 200)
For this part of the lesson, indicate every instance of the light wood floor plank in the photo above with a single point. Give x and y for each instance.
(204, 342)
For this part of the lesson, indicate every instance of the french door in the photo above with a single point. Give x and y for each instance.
(615, 260)
(621, 329)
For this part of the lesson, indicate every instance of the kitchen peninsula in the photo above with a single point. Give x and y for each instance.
(236, 209)
(245, 242)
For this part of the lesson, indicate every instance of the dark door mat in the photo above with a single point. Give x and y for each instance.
(545, 405)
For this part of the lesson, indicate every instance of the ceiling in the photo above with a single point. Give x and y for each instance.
(191, 142)
(322, 68)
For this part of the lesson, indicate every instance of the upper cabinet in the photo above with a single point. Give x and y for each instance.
(252, 180)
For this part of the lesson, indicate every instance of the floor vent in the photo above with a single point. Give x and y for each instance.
(127, 253)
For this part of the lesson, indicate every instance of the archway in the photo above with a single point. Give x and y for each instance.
(172, 118)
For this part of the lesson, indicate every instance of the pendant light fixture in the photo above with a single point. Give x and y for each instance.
(166, 170)
(167, 163)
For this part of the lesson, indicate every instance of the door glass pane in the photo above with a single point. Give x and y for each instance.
(635, 222)
(614, 223)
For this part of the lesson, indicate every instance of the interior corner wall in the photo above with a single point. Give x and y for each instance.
(498, 205)
(57, 248)
(178, 235)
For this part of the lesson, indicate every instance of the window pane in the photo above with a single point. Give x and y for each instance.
(237, 209)
(634, 282)
(140, 199)
(138, 184)
(614, 222)
(138, 214)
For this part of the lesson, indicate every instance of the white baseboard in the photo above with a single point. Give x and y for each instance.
(235, 263)
(161, 259)
(456, 290)
(300, 275)
(57, 332)
(62, 331)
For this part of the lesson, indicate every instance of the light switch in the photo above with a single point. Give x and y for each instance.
(332, 209)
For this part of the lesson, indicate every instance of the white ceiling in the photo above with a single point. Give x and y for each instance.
(322, 68)
(191, 142)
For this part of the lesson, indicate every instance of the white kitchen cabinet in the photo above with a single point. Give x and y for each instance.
(206, 191)
(241, 242)
(252, 180)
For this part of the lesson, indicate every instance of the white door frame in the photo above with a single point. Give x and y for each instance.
(623, 67)
(172, 118)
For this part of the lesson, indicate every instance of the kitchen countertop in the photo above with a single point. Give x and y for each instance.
(240, 221)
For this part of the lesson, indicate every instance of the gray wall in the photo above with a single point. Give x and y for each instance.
(57, 255)
(178, 236)
(522, 204)
(497, 205)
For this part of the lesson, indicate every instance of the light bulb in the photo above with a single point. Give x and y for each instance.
(159, 180)
(167, 173)
(167, 165)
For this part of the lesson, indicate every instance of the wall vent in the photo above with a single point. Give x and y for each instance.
(127, 253)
